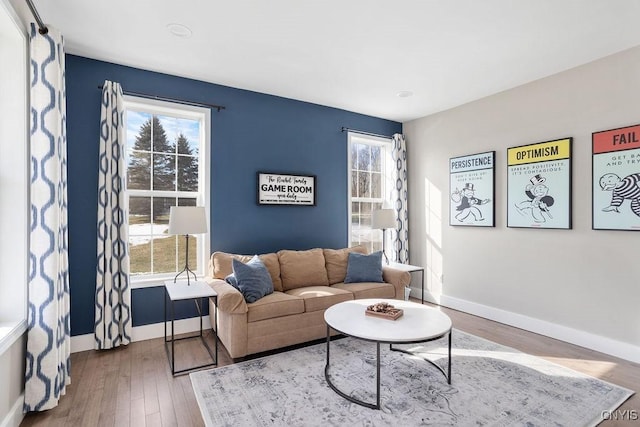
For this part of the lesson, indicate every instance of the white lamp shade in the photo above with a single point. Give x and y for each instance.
(383, 218)
(187, 220)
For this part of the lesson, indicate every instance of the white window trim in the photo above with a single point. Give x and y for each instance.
(153, 106)
(387, 144)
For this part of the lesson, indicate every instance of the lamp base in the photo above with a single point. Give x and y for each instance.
(187, 270)
(186, 264)
(384, 244)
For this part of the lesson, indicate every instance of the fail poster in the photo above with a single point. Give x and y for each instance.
(539, 185)
(616, 179)
(471, 190)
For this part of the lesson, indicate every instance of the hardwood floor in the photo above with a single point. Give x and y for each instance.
(134, 386)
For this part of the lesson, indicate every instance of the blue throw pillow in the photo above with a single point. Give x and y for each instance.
(364, 268)
(252, 279)
(231, 279)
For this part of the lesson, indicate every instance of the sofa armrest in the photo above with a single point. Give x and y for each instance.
(230, 300)
(398, 278)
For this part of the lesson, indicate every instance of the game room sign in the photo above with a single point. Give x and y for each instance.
(281, 189)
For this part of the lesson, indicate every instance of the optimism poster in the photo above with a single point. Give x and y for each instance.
(616, 179)
(539, 185)
(471, 190)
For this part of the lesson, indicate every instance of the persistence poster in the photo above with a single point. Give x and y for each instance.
(539, 185)
(616, 179)
(471, 190)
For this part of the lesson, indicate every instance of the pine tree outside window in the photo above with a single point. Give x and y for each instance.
(370, 186)
(167, 158)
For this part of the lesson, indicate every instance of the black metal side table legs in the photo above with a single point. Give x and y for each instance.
(171, 354)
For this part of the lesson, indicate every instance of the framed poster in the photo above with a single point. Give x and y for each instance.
(472, 190)
(282, 189)
(616, 179)
(539, 185)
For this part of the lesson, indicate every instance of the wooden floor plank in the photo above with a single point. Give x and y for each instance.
(154, 419)
(138, 417)
(123, 388)
(133, 385)
(110, 367)
(192, 403)
(151, 405)
(165, 397)
(96, 389)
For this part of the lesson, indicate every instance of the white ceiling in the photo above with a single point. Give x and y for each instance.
(351, 54)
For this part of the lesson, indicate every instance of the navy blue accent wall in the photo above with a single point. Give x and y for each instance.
(147, 306)
(256, 132)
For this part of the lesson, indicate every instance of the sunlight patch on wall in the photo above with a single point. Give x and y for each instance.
(433, 240)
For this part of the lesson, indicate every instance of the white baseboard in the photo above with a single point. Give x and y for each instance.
(574, 336)
(15, 415)
(146, 332)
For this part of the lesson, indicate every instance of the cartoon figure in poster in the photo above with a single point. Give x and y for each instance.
(468, 203)
(621, 189)
(539, 201)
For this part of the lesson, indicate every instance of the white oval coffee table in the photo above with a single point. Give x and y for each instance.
(418, 324)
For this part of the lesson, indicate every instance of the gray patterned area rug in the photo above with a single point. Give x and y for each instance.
(492, 385)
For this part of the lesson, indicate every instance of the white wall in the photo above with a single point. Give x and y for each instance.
(14, 213)
(12, 365)
(14, 172)
(578, 285)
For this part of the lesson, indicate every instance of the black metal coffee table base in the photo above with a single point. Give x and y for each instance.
(376, 405)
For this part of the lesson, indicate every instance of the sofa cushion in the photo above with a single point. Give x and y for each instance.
(252, 279)
(220, 266)
(274, 305)
(368, 289)
(320, 297)
(335, 261)
(364, 268)
(302, 268)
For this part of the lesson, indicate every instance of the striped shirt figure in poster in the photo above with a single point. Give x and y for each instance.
(621, 189)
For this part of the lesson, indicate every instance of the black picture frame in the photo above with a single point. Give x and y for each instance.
(285, 189)
(472, 191)
(539, 185)
(615, 173)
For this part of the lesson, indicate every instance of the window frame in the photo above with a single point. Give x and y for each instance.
(386, 170)
(183, 111)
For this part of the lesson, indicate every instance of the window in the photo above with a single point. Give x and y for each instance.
(167, 165)
(369, 187)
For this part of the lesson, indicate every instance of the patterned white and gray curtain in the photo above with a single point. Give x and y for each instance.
(113, 294)
(400, 236)
(48, 331)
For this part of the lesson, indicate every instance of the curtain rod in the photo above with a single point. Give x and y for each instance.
(179, 101)
(42, 29)
(345, 129)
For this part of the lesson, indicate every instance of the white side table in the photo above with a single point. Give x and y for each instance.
(409, 268)
(199, 292)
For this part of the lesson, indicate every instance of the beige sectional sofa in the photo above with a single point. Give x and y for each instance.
(305, 284)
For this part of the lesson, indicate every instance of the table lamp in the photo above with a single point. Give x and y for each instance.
(187, 220)
(383, 219)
